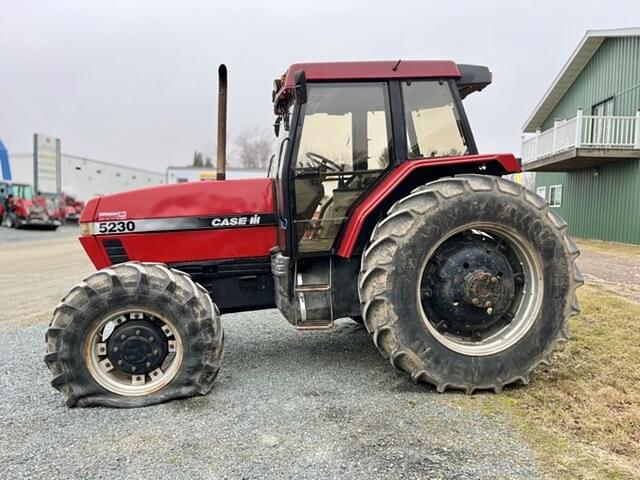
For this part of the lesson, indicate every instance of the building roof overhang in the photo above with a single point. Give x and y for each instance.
(587, 47)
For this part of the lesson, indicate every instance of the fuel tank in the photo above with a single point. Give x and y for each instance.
(185, 222)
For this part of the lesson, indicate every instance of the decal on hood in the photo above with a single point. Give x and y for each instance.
(110, 227)
(121, 215)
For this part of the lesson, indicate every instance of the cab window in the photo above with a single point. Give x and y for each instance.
(342, 147)
(432, 120)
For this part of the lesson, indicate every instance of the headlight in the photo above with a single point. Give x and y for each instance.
(86, 229)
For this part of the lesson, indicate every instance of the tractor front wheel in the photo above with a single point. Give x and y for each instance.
(134, 335)
(468, 283)
(11, 220)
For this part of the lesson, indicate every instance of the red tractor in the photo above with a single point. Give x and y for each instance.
(378, 207)
(21, 208)
(72, 208)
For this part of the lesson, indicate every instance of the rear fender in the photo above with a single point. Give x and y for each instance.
(400, 181)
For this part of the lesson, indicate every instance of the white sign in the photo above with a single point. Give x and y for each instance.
(46, 164)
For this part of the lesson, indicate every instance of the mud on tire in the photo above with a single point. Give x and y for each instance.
(192, 322)
(401, 246)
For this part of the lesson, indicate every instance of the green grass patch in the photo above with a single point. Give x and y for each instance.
(581, 416)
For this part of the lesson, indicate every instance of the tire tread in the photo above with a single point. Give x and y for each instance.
(376, 265)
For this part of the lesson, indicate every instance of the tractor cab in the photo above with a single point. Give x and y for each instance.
(346, 126)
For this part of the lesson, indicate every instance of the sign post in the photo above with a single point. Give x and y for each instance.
(47, 175)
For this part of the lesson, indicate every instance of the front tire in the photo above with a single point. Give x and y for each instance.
(12, 221)
(468, 283)
(134, 335)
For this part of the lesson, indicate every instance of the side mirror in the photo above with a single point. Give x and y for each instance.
(301, 87)
(277, 85)
(276, 126)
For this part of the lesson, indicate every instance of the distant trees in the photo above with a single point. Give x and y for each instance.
(197, 159)
(253, 147)
(198, 162)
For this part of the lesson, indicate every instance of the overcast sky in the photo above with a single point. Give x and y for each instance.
(134, 82)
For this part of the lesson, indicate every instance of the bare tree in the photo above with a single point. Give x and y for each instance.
(253, 148)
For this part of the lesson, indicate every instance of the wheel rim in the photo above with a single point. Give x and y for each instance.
(134, 352)
(480, 289)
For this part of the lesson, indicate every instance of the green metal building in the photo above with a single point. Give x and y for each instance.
(583, 138)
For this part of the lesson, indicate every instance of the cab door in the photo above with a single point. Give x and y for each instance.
(341, 146)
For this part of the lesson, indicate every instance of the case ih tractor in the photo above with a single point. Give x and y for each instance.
(378, 207)
(21, 208)
(71, 207)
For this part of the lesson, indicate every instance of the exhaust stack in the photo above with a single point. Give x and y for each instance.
(221, 166)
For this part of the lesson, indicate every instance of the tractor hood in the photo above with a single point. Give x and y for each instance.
(184, 200)
(207, 220)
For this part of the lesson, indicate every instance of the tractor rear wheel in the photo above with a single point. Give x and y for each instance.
(134, 335)
(468, 283)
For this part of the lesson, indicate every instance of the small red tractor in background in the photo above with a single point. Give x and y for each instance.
(72, 207)
(21, 208)
(378, 207)
(64, 208)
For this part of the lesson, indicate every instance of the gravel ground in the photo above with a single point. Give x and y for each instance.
(35, 275)
(286, 404)
(617, 272)
(23, 234)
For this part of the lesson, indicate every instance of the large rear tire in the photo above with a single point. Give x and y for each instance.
(468, 283)
(134, 335)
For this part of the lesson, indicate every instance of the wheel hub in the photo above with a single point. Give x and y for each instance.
(470, 287)
(137, 347)
(482, 289)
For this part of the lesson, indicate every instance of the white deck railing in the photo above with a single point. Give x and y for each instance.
(583, 131)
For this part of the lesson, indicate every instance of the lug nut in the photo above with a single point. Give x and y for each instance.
(148, 364)
(115, 349)
(120, 362)
(123, 336)
(133, 369)
(494, 280)
(137, 332)
(489, 310)
(151, 339)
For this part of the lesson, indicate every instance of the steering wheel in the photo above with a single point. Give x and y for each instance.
(324, 162)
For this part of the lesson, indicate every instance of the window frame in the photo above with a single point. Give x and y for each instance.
(466, 132)
(392, 92)
(604, 104)
(555, 204)
(544, 191)
(296, 136)
(601, 130)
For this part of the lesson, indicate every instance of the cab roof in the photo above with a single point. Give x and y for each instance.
(470, 78)
(372, 70)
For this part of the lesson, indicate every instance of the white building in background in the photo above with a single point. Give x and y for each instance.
(194, 174)
(85, 178)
